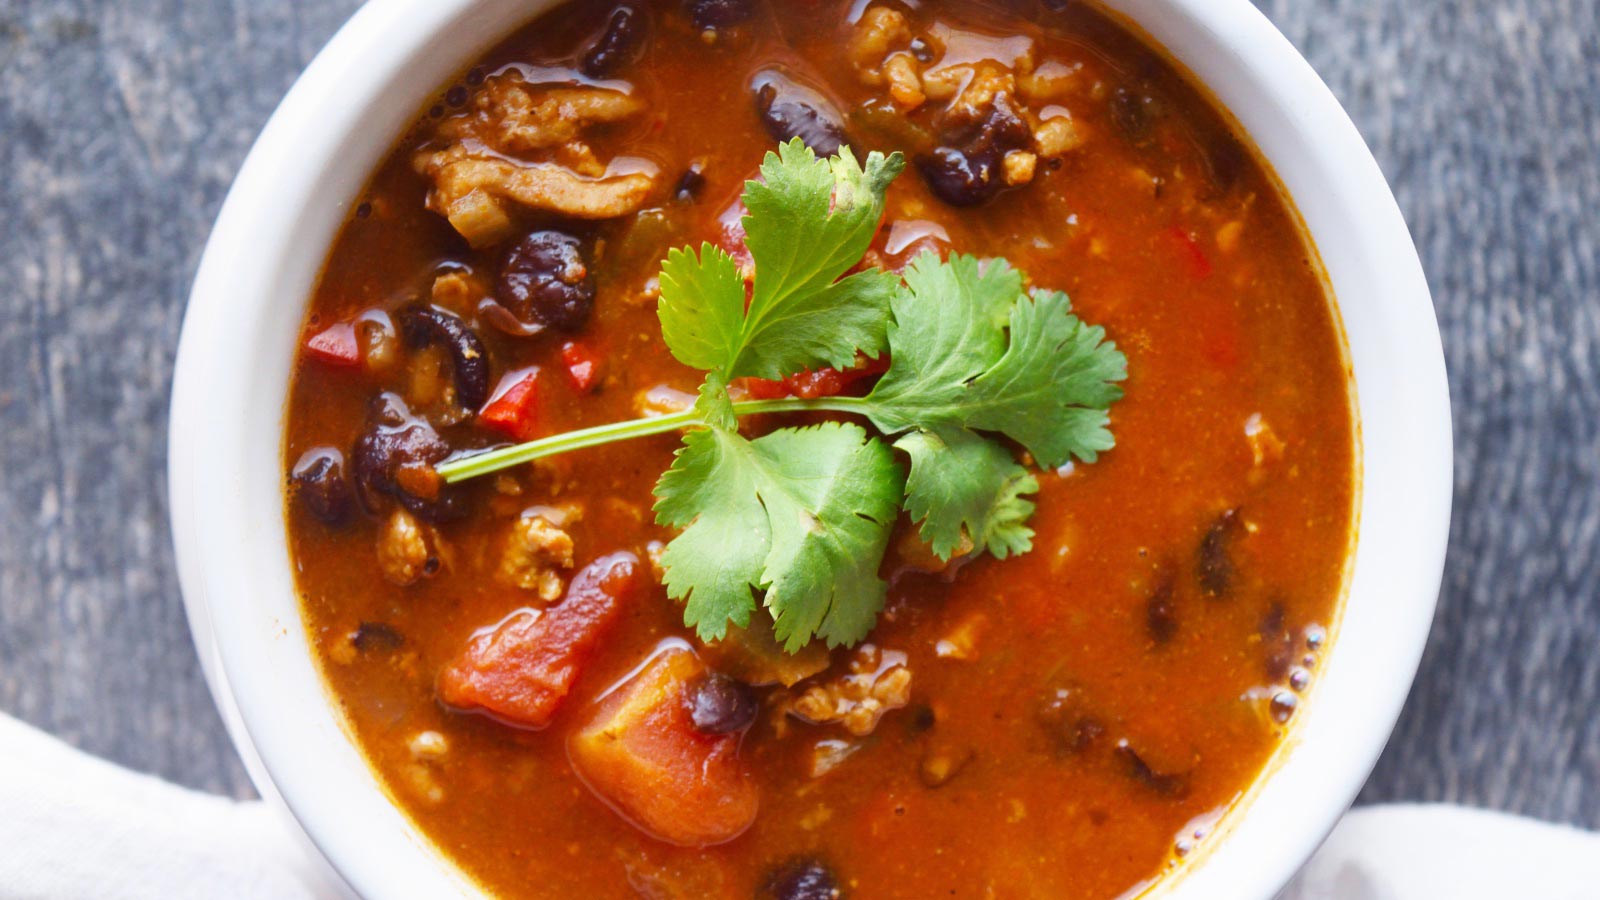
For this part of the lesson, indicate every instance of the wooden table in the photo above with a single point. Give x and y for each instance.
(122, 123)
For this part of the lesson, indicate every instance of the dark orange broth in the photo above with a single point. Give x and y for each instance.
(1253, 336)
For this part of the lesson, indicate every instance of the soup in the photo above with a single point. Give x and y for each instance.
(890, 627)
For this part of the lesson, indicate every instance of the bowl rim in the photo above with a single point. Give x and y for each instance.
(271, 240)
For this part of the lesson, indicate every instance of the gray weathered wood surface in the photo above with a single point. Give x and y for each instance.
(123, 121)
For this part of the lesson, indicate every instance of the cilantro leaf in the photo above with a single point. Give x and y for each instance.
(802, 514)
(948, 328)
(969, 353)
(701, 306)
(713, 489)
(1038, 375)
(1051, 390)
(965, 488)
(841, 492)
(810, 220)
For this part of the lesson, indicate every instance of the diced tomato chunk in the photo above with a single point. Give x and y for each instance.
(830, 382)
(764, 388)
(1189, 252)
(335, 346)
(513, 408)
(583, 366)
(643, 756)
(522, 669)
(814, 383)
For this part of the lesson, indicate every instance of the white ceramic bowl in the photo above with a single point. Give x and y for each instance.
(339, 121)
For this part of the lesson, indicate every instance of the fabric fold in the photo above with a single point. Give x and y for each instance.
(73, 827)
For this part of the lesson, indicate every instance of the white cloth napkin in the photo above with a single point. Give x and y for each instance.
(73, 827)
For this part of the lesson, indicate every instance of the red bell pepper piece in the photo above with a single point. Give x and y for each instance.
(513, 408)
(335, 346)
(583, 366)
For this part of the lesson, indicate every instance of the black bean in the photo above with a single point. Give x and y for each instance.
(428, 325)
(969, 168)
(1225, 162)
(803, 879)
(388, 408)
(320, 485)
(1161, 608)
(1277, 643)
(719, 704)
(1070, 727)
(711, 14)
(692, 182)
(1167, 784)
(618, 46)
(1131, 113)
(370, 636)
(457, 95)
(394, 441)
(1085, 733)
(922, 50)
(1003, 128)
(958, 179)
(1215, 566)
(1274, 621)
(1076, 735)
(544, 283)
(791, 110)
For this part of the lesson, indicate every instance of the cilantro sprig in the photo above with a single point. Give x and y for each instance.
(797, 520)
(809, 221)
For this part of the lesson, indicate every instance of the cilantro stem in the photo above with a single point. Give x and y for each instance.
(466, 467)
